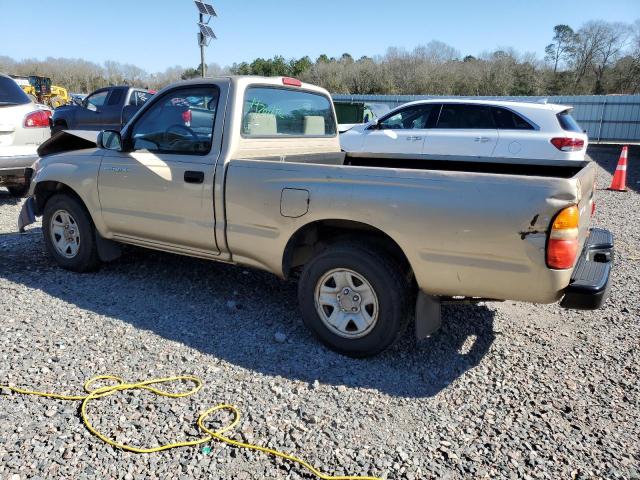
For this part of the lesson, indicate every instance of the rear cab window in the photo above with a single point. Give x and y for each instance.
(276, 112)
(139, 97)
(11, 93)
(568, 123)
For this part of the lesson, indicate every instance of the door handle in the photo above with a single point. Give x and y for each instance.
(193, 177)
(414, 139)
(482, 139)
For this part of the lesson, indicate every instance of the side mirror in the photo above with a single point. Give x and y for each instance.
(375, 125)
(110, 140)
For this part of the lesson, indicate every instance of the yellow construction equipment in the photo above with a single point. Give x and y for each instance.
(41, 91)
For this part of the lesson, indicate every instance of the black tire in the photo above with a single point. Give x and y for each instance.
(86, 259)
(391, 286)
(18, 191)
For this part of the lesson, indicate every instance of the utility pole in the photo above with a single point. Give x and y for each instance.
(206, 33)
(202, 45)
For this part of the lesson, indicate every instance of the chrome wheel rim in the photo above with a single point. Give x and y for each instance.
(64, 233)
(346, 303)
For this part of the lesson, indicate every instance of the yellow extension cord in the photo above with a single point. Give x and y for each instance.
(93, 394)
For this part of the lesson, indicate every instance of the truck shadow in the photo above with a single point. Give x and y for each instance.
(607, 157)
(233, 314)
(7, 199)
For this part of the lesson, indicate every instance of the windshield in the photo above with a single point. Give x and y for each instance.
(11, 93)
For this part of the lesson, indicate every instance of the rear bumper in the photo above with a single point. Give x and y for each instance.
(15, 176)
(589, 286)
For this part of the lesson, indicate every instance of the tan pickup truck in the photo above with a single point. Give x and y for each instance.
(249, 171)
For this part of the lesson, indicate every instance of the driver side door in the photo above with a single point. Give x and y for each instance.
(87, 117)
(159, 191)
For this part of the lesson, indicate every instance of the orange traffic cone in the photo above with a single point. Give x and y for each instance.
(619, 182)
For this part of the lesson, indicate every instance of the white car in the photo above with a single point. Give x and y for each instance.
(472, 128)
(24, 125)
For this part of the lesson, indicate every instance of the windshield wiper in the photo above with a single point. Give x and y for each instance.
(9, 103)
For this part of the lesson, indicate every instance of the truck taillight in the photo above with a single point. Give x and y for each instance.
(562, 247)
(187, 117)
(37, 119)
(567, 144)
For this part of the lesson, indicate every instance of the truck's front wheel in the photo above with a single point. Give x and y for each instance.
(355, 299)
(69, 234)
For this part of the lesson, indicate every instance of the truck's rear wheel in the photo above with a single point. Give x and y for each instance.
(69, 234)
(355, 299)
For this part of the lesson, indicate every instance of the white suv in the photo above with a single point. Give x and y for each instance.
(474, 128)
(24, 125)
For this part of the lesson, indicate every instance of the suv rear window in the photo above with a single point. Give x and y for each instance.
(280, 112)
(568, 123)
(11, 93)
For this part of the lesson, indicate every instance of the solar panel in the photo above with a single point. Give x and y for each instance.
(206, 30)
(201, 8)
(210, 10)
(205, 9)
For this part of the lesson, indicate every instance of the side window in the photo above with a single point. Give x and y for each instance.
(180, 122)
(96, 100)
(282, 112)
(508, 120)
(116, 97)
(409, 118)
(462, 116)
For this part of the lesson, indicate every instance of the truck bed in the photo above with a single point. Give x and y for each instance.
(476, 229)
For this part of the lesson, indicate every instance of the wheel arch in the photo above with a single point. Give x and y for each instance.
(313, 237)
(46, 189)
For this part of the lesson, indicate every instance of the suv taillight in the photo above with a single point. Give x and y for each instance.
(567, 144)
(562, 246)
(37, 119)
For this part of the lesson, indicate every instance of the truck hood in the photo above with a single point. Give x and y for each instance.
(68, 140)
(65, 108)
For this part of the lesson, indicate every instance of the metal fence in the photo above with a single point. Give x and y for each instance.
(606, 118)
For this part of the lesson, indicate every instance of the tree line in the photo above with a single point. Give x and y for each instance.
(597, 58)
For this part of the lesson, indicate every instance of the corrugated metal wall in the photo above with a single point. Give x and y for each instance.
(606, 118)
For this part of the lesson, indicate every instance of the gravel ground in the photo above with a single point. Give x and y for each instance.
(504, 390)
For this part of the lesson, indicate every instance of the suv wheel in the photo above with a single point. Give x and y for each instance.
(355, 299)
(69, 234)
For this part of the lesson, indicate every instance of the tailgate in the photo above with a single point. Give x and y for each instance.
(585, 183)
